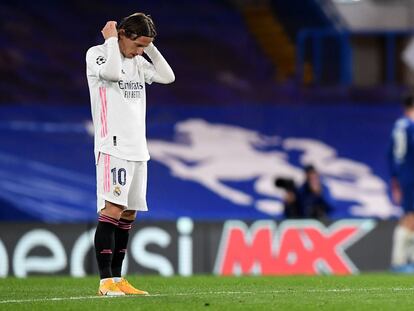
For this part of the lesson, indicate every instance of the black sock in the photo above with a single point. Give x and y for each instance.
(105, 244)
(121, 242)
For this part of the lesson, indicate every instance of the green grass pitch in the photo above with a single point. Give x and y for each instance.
(359, 292)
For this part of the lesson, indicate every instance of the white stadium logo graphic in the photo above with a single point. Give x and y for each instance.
(221, 153)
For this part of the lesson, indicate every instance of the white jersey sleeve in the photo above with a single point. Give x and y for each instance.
(105, 62)
(163, 72)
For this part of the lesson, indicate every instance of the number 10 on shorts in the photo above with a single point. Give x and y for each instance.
(118, 176)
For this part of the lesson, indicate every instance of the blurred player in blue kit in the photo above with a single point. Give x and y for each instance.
(315, 196)
(117, 73)
(401, 163)
(311, 200)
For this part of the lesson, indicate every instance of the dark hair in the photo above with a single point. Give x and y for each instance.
(408, 101)
(137, 25)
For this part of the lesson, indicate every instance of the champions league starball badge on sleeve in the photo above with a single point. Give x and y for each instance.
(101, 60)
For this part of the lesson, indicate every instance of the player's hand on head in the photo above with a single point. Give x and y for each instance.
(110, 30)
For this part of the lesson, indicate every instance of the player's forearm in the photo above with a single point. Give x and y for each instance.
(164, 73)
(111, 70)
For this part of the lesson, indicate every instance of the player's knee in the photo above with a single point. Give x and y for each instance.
(112, 210)
(130, 215)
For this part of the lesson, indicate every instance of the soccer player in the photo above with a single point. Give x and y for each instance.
(117, 73)
(401, 162)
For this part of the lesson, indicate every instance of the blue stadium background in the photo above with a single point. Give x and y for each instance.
(223, 77)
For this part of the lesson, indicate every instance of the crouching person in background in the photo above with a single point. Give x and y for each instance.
(311, 200)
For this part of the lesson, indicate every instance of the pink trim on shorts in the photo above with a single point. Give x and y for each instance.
(107, 179)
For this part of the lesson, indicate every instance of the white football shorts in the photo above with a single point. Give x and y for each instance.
(121, 182)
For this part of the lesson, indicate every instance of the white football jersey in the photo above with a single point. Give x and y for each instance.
(118, 108)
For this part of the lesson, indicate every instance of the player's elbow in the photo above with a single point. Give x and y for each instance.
(171, 78)
(165, 79)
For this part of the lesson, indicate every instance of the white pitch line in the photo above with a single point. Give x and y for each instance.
(282, 291)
